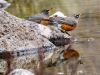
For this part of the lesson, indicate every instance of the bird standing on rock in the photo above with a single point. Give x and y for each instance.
(41, 18)
(65, 23)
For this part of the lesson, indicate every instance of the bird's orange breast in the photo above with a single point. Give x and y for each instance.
(44, 22)
(70, 53)
(67, 27)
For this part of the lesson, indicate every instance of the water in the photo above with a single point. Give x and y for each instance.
(87, 31)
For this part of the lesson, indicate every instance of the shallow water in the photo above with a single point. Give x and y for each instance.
(87, 31)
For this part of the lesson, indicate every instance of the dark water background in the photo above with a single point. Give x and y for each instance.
(87, 31)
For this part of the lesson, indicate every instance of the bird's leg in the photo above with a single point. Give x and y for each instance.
(57, 62)
(67, 33)
(62, 30)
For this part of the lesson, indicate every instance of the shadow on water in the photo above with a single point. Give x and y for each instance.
(87, 32)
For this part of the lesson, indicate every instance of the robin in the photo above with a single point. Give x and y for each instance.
(4, 4)
(65, 23)
(41, 18)
(64, 56)
(70, 53)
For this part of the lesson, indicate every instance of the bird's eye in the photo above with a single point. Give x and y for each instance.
(77, 16)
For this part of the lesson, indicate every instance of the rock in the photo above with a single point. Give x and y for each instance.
(19, 37)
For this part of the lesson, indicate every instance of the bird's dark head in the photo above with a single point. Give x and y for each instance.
(46, 11)
(76, 16)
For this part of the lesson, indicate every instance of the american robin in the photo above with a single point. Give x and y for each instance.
(65, 23)
(70, 53)
(4, 4)
(64, 56)
(41, 18)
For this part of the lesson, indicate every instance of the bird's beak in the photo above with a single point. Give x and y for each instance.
(83, 63)
(79, 14)
(50, 9)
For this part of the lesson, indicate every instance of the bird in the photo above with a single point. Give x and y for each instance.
(72, 58)
(59, 14)
(4, 4)
(41, 18)
(70, 53)
(63, 57)
(69, 57)
(65, 23)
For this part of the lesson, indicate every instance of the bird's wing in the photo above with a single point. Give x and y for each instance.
(36, 18)
(68, 20)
